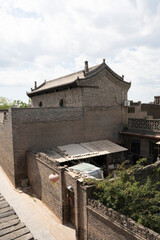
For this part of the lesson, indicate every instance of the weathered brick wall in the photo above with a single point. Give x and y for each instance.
(105, 90)
(106, 224)
(84, 192)
(6, 146)
(151, 109)
(138, 113)
(43, 128)
(48, 127)
(71, 97)
(40, 166)
(103, 123)
(109, 91)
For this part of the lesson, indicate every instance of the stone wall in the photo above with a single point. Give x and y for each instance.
(6, 145)
(105, 223)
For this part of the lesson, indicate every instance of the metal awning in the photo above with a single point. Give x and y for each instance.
(85, 150)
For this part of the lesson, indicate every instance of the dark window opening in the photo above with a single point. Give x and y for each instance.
(61, 103)
(153, 150)
(40, 104)
(135, 146)
(131, 109)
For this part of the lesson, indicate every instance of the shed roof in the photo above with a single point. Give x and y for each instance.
(85, 150)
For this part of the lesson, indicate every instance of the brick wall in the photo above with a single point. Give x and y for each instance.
(152, 109)
(40, 166)
(101, 90)
(47, 127)
(6, 146)
(109, 91)
(105, 223)
(71, 97)
(43, 128)
(93, 220)
(39, 169)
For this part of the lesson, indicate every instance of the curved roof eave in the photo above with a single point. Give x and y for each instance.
(99, 69)
(75, 82)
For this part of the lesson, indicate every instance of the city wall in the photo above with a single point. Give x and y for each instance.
(6, 145)
(30, 128)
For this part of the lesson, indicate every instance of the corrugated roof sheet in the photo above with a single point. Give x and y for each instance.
(85, 150)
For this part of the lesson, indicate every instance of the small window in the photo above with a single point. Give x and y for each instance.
(40, 104)
(61, 103)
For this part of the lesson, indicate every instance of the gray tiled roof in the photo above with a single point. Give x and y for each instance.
(10, 225)
(73, 79)
(59, 82)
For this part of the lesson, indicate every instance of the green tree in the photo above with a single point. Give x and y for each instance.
(6, 103)
(129, 197)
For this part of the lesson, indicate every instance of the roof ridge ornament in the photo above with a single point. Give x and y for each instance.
(104, 60)
(86, 69)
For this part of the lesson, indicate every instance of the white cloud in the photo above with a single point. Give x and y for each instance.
(43, 39)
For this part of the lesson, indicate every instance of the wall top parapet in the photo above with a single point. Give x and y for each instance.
(144, 124)
(47, 160)
(128, 224)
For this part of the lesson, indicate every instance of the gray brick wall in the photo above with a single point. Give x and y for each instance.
(152, 109)
(105, 91)
(48, 127)
(38, 174)
(6, 147)
(72, 98)
(106, 224)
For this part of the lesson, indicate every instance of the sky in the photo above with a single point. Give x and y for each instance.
(45, 39)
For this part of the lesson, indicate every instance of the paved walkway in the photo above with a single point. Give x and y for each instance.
(42, 223)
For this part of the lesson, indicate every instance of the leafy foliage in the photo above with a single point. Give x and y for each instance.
(6, 103)
(125, 195)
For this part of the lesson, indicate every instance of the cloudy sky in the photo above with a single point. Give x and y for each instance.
(44, 39)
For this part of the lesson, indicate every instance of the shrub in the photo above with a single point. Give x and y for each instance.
(127, 196)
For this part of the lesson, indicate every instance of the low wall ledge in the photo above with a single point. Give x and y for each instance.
(129, 224)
